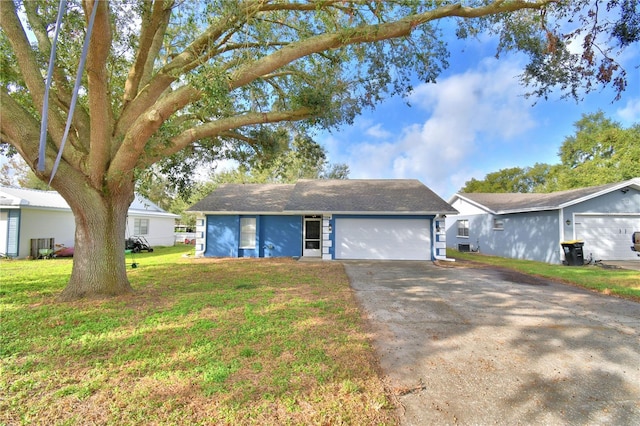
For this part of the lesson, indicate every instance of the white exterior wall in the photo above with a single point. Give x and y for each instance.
(161, 229)
(35, 223)
(465, 208)
(60, 225)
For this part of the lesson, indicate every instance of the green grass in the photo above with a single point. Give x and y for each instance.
(619, 282)
(201, 341)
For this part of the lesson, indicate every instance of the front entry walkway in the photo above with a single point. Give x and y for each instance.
(476, 346)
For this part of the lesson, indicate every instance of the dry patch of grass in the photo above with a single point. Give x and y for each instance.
(245, 341)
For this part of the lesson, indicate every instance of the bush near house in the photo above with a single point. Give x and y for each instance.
(202, 341)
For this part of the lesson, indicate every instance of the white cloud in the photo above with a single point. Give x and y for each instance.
(377, 131)
(468, 112)
(631, 111)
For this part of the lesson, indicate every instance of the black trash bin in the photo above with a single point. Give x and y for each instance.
(573, 253)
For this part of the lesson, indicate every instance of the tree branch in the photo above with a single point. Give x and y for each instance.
(370, 33)
(139, 133)
(24, 54)
(218, 127)
(61, 90)
(155, 47)
(30, 70)
(190, 58)
(98, 90)
(18, 125)
(155, 17)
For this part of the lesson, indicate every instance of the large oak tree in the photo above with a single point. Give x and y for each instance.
(173, 77)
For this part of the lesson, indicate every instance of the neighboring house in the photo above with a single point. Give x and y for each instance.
(533, 226)
(327, 219)
(32, 219)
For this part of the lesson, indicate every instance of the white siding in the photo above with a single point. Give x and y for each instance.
(34, 224)
(161, 230)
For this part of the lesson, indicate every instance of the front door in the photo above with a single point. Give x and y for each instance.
(311, 244)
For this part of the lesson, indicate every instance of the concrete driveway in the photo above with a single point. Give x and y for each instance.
(482, 346)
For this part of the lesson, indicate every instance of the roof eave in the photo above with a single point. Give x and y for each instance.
(236, 212)
(153, 214)
(527, 210)
(377, 213)
(635, 182)
(310, 212)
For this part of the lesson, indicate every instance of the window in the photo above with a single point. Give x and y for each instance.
(140, 226)
(498, 224)
(247, 232)
(463, 228)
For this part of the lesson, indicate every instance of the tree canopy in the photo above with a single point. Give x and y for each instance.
(600, 152)
(176, 82)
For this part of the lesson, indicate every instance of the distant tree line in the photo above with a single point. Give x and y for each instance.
(600, 152)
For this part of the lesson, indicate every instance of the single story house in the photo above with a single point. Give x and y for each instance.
(533, 226)
(31, 220)
(325, 219)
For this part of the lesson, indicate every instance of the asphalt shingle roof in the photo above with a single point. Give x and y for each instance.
(406, 196)
(250, 198)
(507, 202)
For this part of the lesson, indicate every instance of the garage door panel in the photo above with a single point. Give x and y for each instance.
(608, 237)
(395, 239)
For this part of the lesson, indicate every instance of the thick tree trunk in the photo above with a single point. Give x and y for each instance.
(99, 268)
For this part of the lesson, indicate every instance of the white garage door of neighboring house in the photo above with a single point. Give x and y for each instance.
(393, 239)
(607, 237)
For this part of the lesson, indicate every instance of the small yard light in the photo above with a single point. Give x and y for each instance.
(568, 222)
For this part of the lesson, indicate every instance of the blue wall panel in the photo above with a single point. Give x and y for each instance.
(280, 236)
(223, 233)
(276, 236)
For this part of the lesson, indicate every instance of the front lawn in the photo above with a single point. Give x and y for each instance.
(619, 282)
(202, 341)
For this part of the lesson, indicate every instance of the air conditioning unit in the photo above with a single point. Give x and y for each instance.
(464, 248)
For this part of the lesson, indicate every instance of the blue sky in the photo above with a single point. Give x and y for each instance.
(473, 121)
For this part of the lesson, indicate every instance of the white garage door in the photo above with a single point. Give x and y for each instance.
(394, 239)
(607, 237)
